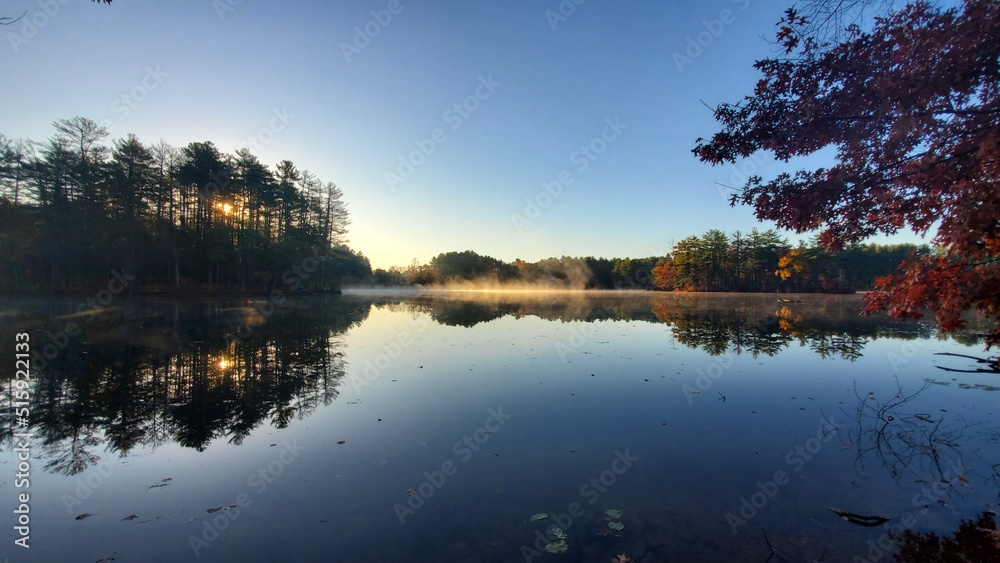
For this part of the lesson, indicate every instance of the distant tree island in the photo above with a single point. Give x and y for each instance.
(758, 261)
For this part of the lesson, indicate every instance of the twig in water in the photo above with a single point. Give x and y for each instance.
(769, 546)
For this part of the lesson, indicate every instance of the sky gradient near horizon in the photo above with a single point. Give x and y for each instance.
(442, 122)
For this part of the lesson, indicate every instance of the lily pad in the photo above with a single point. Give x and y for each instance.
(557, 547)
(539, 516)
(556, 532)
(616, 526)
(613, 514)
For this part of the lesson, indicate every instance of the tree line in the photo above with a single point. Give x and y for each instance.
(74, 210)
(763, 261)
(758, 261)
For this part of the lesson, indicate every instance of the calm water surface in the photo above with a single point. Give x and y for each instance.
(432, 427)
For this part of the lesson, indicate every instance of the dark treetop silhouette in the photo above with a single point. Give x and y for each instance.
(73, 212)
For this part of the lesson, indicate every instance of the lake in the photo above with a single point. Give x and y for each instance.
(465, 426)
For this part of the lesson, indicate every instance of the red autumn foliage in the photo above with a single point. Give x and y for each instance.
(912, 107)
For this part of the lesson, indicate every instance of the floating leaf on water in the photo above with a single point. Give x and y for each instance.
(859, 519)
(82, 516)
(342, 442)
(613, 514)
(410, 493)
(378, 462)
(539, 516)
(557, 547)
(556, 532)
(616, 526)
(216, 509)
(131, 517)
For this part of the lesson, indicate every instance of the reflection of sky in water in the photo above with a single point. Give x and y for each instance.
(620, 389)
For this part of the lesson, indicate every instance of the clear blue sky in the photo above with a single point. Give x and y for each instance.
(298, 78)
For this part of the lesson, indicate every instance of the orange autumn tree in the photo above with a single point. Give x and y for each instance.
(912, 109)
(793, 263)
(663, 275)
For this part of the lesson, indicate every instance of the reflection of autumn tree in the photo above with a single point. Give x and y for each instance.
(974, 540)
(824, 341)
(721, 331)
(183, 377)
(759, 325)
(743, 331)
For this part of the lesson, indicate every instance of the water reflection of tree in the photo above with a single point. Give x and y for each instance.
(756, 331)
(470, 313)
(974, 540)
(902, 441)
(756, 325)
(720, 331)
(146, 375)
